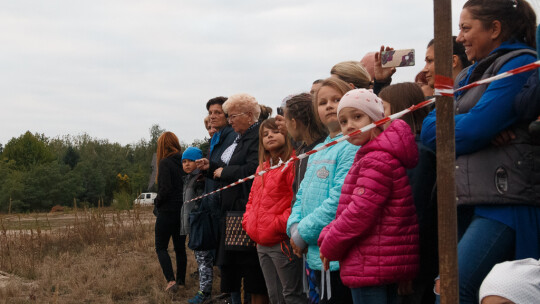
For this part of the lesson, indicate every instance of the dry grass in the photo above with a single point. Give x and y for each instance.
(90, 256)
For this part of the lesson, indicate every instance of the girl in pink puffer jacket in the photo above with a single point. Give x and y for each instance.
(375, 234)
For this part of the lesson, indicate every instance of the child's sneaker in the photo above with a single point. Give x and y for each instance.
(199, 298)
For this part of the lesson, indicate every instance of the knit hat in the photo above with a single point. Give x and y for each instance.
(517, 281)
(364, 100)
(192, 153)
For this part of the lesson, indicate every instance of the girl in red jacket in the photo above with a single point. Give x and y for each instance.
(266, 215)
(375, 234)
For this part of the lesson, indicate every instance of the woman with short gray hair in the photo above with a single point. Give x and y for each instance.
(239, 160)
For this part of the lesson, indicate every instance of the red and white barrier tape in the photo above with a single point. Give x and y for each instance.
(443, 87)
(525, 68)
(323, 147)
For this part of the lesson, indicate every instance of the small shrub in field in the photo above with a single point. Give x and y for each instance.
(122, 201)
(57, 208)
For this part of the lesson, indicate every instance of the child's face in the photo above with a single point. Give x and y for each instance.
(188, 165)
(327, 104)
(272, 140)
(352, 119)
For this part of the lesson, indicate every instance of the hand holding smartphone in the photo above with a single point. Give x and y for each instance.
(397, 58)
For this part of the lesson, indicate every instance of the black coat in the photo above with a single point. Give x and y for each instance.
(226, 138)
(170, 184)
(244, 162)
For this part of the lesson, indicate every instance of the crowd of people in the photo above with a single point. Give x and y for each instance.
(357, 221)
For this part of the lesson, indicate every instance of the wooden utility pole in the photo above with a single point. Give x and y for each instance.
(446, 154)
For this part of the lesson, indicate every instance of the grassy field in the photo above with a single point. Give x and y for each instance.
(85, 256)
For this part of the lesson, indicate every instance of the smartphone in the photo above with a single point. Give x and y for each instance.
(397, 58)
(279, 111)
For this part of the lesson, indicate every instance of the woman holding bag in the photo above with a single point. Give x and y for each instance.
(239, 160)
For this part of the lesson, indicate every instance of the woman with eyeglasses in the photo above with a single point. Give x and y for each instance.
(237, 161)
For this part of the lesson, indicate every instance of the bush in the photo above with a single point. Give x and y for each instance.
(122, 200)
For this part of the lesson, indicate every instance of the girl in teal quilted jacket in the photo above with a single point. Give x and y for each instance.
(318, 196)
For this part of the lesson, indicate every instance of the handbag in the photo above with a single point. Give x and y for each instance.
(204, 232)
(236, 237)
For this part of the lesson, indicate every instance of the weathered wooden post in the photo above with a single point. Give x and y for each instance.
(446, 153)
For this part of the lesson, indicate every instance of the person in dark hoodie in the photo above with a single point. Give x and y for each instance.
(168, 204)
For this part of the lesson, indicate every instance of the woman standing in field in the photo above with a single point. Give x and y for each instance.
(168, 204)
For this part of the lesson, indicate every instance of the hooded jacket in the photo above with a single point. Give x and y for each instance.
(318, 196)
(269, 205)
(375, 234)
(193, 187)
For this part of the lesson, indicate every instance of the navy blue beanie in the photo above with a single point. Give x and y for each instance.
(192, 153)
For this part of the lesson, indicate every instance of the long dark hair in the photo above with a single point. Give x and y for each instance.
(300, 108)
(517, 18)
(457, 49)
(402, 96)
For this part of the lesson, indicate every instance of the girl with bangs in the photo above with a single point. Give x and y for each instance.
(267, 211)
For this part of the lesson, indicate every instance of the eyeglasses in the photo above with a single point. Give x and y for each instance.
(231, 117)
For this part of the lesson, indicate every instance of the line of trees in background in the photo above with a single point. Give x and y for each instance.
(37, 173)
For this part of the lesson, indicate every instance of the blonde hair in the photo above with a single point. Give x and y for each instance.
(245, 102)
(352, 72)
(337, 84)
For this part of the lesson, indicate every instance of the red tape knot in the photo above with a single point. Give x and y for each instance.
(444, 86)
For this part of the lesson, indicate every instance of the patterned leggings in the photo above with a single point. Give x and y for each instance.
(205, 260)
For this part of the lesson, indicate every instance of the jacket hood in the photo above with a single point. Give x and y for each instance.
(397, 140)
(511, 44)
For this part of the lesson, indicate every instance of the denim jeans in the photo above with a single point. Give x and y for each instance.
(167, 226)
(384, 294)
(485, 243)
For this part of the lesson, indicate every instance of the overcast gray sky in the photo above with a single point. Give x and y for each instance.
(113, 68)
